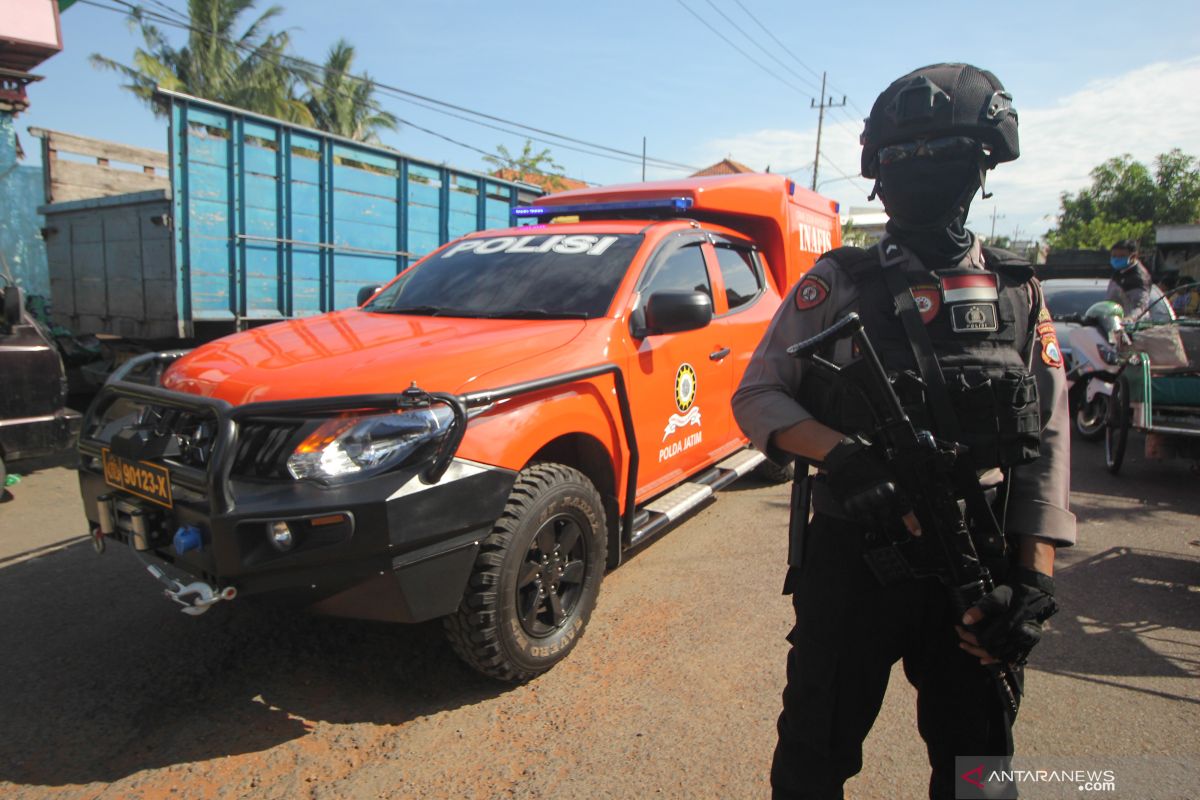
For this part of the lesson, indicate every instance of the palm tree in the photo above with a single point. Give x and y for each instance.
(342, 103)
(250, 71)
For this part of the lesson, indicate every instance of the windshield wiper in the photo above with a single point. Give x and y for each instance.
(424, 311)
(534, 313)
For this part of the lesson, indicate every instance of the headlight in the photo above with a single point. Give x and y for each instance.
(359, 445)
(1108, 354)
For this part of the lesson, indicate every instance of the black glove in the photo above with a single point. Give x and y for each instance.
(1013, 614)
(864, 485)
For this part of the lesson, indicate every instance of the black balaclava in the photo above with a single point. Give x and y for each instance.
(927, 201)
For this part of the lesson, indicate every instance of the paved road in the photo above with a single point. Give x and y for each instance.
(672, 692)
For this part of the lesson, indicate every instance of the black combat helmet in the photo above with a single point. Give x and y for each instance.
(942, 100)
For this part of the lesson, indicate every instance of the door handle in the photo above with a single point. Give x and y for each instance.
(717, 355)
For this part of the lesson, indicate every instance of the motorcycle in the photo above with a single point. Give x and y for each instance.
(1094, 348)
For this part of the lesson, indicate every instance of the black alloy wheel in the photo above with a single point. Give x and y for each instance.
(550, 583)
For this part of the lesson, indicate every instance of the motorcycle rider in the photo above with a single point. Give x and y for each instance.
(1131, 284)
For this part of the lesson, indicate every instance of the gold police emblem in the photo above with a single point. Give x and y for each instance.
(685, 387)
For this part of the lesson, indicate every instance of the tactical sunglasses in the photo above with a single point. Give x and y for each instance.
(943, 148)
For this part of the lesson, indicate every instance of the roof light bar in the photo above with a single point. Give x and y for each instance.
(676, 205)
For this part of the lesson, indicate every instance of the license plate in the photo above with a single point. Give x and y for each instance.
(147, 481)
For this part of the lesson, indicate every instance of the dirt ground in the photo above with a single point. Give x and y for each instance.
(673, 691)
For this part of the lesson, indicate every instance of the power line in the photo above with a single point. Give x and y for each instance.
(749, 57)
(406, 96)
(413, 97)
(787, 50)
(774, 38)
(370, 103)
(777, 60)
(839, 170)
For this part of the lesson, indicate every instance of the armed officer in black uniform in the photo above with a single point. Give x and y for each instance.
(929, 141)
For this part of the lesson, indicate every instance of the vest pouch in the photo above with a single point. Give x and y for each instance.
(973, 397)
(1019, 418)
(835, 401)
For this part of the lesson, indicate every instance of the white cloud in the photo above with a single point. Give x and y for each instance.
(1143, 112)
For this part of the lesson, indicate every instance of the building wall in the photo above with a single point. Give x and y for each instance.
(20, 225)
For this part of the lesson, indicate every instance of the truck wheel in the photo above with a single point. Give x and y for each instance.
(536, 577)
(770, 472)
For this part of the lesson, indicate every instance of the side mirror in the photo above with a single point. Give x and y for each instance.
(12, 305)
(367, 292)
(673, 312)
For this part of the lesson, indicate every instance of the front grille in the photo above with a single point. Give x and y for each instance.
(263, 448)
(263, 445)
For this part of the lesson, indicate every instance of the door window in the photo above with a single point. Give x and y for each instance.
(681, 271)
(740, 273)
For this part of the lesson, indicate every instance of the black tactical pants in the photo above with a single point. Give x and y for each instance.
(849, 632)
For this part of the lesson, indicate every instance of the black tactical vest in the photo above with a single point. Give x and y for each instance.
(981, 346)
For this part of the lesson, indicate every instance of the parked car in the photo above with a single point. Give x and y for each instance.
(1068, 299)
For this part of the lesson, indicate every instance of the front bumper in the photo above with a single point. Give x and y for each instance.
(392, 547)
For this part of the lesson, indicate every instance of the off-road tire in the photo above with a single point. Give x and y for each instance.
(770, 472)
(536, 577)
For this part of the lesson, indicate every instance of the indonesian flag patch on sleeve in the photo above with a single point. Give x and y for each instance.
(811, 292)
(977, 288)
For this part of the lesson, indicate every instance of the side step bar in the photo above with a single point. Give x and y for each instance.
(662, 511)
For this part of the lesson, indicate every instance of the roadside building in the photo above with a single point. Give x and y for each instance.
(1177, 250)
(864, 225)
(726, 166)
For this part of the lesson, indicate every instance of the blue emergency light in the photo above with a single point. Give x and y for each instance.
(675, 205)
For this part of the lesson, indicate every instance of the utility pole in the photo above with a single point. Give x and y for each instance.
(825, 103)
(643, 159)
(993, 233)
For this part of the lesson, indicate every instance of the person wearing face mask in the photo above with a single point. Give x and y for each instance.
(1130, 285)
(1131, 282)
(932, 300)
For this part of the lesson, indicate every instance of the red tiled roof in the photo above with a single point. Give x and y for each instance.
(551, 183)
(726, 166)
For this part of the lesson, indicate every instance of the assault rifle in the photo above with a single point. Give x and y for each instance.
(924, 467)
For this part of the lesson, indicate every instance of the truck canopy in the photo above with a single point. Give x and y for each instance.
(792, 225)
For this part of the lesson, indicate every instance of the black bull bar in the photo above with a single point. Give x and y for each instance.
(214, 482)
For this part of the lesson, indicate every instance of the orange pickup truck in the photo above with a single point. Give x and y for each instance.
(482, 437)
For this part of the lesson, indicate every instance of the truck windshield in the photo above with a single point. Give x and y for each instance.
(538, 276)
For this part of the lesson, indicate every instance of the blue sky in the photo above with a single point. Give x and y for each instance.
(1090, 80)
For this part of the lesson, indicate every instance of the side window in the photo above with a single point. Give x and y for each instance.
(741, 275)
(681, 271)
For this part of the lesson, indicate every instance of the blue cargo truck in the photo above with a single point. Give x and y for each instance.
(262, 220)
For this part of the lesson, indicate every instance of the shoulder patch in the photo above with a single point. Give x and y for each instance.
(928, 300)
(1051, 352)
(811, 292)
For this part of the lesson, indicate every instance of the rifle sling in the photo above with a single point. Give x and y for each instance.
(931, 373)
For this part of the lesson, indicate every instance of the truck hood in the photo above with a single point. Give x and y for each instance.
(357, 352)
